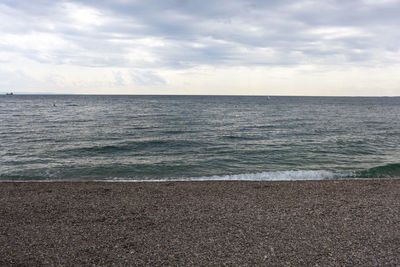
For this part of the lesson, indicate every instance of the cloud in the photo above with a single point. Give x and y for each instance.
(189, 33)
(153, 36)
(145, 78)
(9, 80)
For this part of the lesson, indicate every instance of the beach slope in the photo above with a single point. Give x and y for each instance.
(352, 222)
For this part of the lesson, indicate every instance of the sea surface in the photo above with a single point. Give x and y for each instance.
(158, 138)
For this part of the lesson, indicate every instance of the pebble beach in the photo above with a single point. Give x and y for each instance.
(303, 223)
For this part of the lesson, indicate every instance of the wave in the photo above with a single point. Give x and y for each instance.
(129, 146)
(132, 174)
(262, 176)
(386, 171)
(237, 137)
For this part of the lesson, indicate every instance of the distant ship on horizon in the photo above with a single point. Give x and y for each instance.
(10, 93)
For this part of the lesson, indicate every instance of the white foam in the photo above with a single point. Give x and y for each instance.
(262, 176)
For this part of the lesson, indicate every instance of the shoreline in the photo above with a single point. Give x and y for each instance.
(194, 180)
(306, 222)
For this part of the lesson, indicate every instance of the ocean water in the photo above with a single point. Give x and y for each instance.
(136, 138)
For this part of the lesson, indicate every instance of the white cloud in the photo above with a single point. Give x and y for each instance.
(338, 32)
(381, 2)
(228, 46)
(39, 41)
(81, 16)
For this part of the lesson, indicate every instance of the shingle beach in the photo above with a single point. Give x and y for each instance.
(304, 223)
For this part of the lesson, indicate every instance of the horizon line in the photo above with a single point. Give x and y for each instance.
(266, 95)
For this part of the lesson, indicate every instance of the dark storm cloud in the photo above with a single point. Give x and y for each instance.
(178, 34)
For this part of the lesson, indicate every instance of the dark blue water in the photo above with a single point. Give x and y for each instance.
(198, 137)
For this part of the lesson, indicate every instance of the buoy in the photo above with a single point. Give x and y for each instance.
(369, 107)
(54, 105)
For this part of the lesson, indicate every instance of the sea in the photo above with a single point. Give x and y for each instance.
(197, 138)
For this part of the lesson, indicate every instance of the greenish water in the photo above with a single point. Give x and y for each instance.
(198, 137)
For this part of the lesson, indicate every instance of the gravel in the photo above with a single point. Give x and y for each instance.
(304, 223)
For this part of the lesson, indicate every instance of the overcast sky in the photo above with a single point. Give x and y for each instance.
(276, 47)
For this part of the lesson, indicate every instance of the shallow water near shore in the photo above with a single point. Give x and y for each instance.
(126, 138)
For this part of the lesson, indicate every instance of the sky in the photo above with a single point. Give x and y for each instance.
(221, 47)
